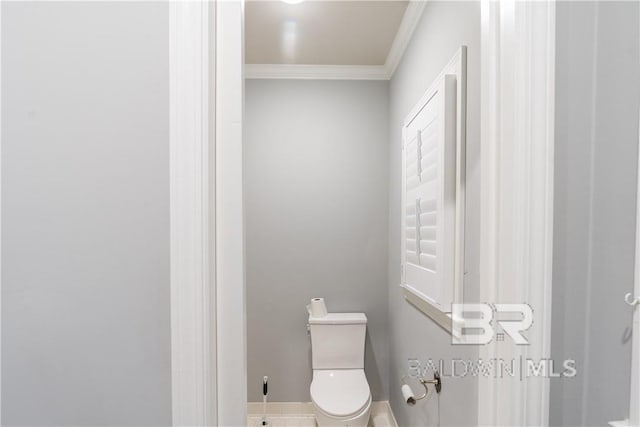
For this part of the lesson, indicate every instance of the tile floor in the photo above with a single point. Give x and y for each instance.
(299, 420)
(300, 414)
(282, 414)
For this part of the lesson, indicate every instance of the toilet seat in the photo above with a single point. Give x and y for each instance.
(340, 393)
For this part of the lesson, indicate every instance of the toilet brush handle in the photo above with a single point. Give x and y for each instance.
(265, 380)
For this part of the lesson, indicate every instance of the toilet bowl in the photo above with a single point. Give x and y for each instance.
(341, 397)
(339, 389)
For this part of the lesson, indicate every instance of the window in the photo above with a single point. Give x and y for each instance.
(433, 195)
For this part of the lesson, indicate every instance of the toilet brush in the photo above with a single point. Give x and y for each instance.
(265, 387)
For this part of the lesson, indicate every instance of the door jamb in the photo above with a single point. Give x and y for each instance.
(193, 322)
(517, 146)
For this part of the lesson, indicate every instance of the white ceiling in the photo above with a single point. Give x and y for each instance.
(321, 32)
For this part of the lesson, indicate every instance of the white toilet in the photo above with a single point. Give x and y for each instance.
(339, 389)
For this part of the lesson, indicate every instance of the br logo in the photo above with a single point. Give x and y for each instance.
(473, 324)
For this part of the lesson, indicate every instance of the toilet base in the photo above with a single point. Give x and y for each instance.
(360, 420)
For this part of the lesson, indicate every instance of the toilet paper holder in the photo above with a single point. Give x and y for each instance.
(410, 398)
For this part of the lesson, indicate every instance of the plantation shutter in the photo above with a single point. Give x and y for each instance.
(429, 199)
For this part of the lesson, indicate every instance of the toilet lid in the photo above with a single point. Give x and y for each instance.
(340, 392)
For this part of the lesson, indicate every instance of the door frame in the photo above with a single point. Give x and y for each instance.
(517, 147)
(192, 237)
(633, 418)
(0, 213)
(208, 367)
(634, 395)
(517, 38)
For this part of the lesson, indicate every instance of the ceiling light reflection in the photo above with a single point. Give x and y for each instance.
(289, 39)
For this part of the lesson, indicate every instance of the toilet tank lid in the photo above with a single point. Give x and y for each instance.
(339, 319)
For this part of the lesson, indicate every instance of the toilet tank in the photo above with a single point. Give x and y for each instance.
(337, 340)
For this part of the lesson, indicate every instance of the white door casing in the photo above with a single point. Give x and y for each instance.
(517, 146)
(206, 204)
(193, 323)
(634, 402)
(634, 392)
(230, 274)
(634, 398)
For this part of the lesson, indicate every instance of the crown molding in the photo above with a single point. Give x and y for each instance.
(347, 72)
(408, 25)
(322, 72)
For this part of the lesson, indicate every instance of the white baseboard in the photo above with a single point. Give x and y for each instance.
(381, 414)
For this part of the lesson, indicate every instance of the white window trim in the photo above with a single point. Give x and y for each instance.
(456, 66)
(517, 146)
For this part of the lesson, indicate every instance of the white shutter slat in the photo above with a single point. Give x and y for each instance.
(429, 218)
(428, 262)
(429, 142)
(428, 160)
(412, 169)
(410, 209)
(412, 183)
(428, 205)
(430, 174)
(427, 247)
(412, 258)
(411, 232)
(428, 233)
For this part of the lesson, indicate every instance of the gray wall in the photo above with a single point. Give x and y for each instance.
(316, 223)
(444, 27)
(597, 103)
(85, 214)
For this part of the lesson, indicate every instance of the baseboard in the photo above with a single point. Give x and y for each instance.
(381, 414)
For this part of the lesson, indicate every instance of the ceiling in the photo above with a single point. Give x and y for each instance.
(321, 32)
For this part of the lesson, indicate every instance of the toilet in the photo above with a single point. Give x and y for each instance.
(339, 390)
